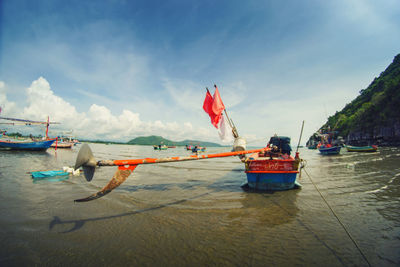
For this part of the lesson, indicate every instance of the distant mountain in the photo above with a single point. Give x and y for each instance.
(156, 140)
(374, 116)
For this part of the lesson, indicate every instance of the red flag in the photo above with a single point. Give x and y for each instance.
(217, 105)
(207, 105)
(214, 107)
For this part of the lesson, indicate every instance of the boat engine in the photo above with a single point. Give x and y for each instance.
(280, 144)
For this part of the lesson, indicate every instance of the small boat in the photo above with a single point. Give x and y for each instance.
(26, 145)
(329, 150)
(274, 169)
(160, 147)
(361, 148)
(329, 144)
(62, 144)
(196, 149)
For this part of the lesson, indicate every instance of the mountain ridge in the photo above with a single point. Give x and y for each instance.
(157, 140)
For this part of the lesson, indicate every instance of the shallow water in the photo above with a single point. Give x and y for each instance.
(195, 213)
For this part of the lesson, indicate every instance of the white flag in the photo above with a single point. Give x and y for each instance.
(225, 130)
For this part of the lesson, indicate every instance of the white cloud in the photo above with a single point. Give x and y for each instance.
(4, 103)
(42, 103)
(97, 123)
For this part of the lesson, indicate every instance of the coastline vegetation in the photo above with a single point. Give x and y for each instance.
(376, 107)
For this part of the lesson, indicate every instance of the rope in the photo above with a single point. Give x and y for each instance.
(337, 217)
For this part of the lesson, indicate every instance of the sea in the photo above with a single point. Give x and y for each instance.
(195, 213)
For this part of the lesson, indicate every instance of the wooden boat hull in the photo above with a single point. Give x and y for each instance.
(29, 146)
(361, 148)
(271, 174)
(335, 150)
(62, 145)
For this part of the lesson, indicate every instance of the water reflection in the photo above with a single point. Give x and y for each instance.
(79, 223)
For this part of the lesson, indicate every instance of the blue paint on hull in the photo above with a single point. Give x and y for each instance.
(271, 181)
(31, 146)
(329, 150)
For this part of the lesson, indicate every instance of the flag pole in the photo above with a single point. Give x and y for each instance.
(234, 130)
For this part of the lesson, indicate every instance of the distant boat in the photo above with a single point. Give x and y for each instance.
(196, 149)
(160, 147)
(328, 144)
(26, 145)
(62, 144)
(329, 150)
(361, 148)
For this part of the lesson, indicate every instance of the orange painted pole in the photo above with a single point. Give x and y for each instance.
(130, 162)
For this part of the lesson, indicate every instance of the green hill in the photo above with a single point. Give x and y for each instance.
(156, 140)
(373, 116)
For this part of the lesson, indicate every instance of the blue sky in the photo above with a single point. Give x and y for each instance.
(121, 69)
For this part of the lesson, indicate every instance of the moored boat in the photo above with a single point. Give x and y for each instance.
(329, 149)
(62, 144)
(160, 147)
(329, 143)
(197, 149)
(361, 148)
(275, 169)
(26, 145)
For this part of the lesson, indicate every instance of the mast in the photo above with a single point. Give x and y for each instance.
(234, 130)
(47, 128)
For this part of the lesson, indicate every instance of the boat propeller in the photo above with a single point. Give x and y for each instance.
(87, 161)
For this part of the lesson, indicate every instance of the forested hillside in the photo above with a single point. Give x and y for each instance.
(374, 116)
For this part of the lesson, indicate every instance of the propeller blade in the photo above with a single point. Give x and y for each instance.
(86, 160)
(118, 178)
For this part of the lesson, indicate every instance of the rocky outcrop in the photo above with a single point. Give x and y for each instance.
(388, 135)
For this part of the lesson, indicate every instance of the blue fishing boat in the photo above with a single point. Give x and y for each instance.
(329, 143)
(329, 150)
(26, 145)
(275, 169)
(30, 145)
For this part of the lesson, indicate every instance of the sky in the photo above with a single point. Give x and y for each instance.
(118, 69)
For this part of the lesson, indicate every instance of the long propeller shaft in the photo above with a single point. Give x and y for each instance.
(131, 162)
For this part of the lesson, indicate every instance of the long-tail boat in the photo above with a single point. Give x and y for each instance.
(26, 144)
(268, 168)
(273, 169)
(30, 145)
(329, 149)
(361, 148)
